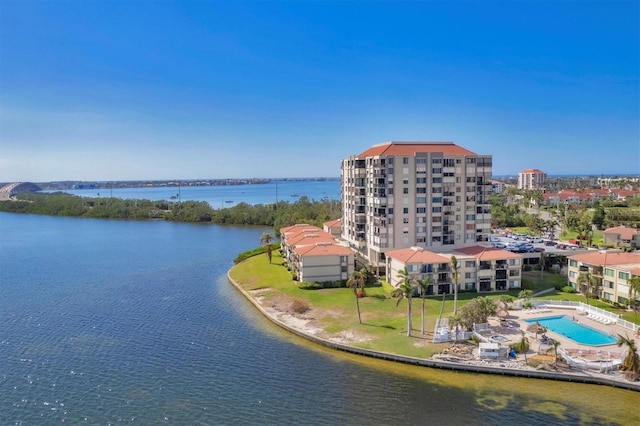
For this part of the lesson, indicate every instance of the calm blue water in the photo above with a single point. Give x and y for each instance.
(575, 331)
(124, 322)
(226, 196)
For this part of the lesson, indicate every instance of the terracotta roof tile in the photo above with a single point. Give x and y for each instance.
(417, 255)
(624, 232)
(604, 257)
(410, 148)
(488, 253)
(333, 223)
(323, 250)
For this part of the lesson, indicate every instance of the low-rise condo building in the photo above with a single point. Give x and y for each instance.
(480, 268)
(622, 237)
(314, 255)
(610, 272)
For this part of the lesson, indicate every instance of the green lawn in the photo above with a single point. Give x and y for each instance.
(384, 324)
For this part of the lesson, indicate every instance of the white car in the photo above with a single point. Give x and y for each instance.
(536, 240)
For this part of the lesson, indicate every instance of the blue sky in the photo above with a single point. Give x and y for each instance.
(211, 89)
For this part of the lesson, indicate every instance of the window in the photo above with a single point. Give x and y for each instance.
(469, 264)
(405, 210)
(623, 275)
(405, 181)
(421, 160)
(421, 190)
(405, 190)
(471, 217)
(436, 199)
(421, 180)
(436, 170)
(609, 272)
(437, 180)
(405, 220)
(573, 263)
(420, 210)
(421, 200)
(390, 210)
(436, 210)
(405, 160)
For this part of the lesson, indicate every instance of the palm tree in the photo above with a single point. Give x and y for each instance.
(522, 346)
(587, 280)
(456, 276)
(405, 290)
(631, 363)
(357, 282)
(266, 239)
(423, 286)
(554, 347)
(634, 289)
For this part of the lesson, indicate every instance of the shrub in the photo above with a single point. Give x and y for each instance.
(321, 285)
(299, 306)
(526, 268)
(568, 289)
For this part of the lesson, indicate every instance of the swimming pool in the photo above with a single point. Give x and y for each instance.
(575, 331)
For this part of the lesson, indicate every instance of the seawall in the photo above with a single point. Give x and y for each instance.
(584, 377)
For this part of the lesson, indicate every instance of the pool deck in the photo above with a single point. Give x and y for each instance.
(517, 320)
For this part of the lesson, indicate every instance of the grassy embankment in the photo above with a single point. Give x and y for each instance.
(384, 325)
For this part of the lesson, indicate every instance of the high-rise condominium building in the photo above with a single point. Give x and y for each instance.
(531, 179)
(402, 194)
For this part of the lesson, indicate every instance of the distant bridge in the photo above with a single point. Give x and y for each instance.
(13, 189)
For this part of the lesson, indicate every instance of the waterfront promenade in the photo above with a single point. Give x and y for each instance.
(303, 328)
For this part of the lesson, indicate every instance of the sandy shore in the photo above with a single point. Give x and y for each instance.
(451, 356)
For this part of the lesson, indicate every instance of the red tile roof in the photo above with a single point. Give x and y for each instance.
(310, 238)
(333, 223)
(323, 249)
(605, 257)
(296, 226)
(417, 255)
(488, 253)
(411, 148)
(624, 232)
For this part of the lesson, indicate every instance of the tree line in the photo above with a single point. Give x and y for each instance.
(278, 215)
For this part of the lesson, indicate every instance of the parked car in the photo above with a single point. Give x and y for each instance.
(561, 247)
(499, 245)
(536, 240)
(538, 249)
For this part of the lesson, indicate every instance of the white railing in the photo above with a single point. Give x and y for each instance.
(591, 311)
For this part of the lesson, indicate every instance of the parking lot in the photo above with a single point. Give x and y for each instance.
(519, 243)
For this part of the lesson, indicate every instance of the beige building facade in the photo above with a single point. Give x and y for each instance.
(531, 179)
(611, 269)
(480, 269)
(397, 195)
